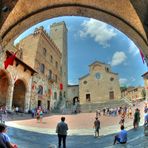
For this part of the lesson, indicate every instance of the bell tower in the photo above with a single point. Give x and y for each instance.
(58, 33)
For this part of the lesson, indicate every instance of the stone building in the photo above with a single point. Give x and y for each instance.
(37, 76)
(145, 77)
(42, 54)
(58, 33)
(15, 82)
(72, 94)
(100, 85)
(133, 93)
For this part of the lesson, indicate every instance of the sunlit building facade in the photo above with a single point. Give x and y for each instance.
(43, 55)
(99, 85)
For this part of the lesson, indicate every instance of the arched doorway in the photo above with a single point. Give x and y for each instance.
(75, 99)
(4, 84)
(19, 95)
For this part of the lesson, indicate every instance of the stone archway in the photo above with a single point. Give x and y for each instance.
(4, 86)
(19, 95)
(112, 12)
(75, 100)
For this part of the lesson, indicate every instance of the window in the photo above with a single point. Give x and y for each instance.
(44, 51)
(42, 68)
(111, 79)
(85, 82)
(107, 69)
(55, 95)
(40, 90)
(50, 74)
(51, 59)
(60, 95)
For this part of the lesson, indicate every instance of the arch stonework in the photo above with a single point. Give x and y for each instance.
(14, 73)
(121, 15)
(27, 92)
(19, 94)
(8, 82)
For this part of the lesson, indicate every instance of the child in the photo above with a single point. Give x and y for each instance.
(4, 138)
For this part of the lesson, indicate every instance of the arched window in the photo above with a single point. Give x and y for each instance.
(60, 95)
(51, 58)
(50, 74)
(40, 90)
(42, 68)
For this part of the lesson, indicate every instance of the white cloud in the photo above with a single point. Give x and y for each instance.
(123, 81)
(100, 31)
(118, 58)
(133, 49)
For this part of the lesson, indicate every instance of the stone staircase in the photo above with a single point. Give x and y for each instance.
(58, 107)
(128, 101)
(91, 107)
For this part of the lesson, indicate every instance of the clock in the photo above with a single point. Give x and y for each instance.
(97, 75)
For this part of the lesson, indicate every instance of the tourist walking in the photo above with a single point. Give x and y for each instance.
(136, 118)
(39, 115)
(61, 130)
(121, 137)
(97, 127)
(130, 113)
(97, 113)
(122, 119)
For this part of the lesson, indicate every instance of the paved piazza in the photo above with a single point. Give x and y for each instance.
(30, 134)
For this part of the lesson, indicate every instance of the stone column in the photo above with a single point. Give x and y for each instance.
(28, 96)
(9, 97)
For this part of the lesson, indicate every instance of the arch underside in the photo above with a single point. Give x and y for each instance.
(19, 95)
(125, 23)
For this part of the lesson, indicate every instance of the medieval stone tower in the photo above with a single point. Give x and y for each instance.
(58, 33)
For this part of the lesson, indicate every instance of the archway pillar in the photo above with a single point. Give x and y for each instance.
(27, 101)
(9, 97)
(28, 97)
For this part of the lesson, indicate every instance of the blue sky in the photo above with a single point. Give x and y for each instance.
(90, 40)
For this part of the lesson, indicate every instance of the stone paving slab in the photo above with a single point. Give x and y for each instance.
(27, 139)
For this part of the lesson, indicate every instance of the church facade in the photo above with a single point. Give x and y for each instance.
(99, 85)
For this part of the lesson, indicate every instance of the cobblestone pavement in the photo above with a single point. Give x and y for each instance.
(30, 134)
(27, 139)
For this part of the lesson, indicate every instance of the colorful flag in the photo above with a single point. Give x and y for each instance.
(142, 55)
(61, 86)
(9, 60)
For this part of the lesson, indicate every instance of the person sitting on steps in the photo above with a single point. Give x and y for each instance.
(121, 137)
